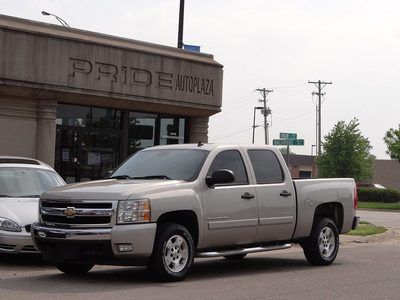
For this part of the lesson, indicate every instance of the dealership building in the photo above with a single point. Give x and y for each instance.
(83, 101)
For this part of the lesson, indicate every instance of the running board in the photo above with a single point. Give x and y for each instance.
(242, 251)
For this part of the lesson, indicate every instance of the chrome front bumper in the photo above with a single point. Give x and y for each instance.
(92, 234)
(140, 236)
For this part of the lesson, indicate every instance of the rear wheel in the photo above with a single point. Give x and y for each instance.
(173, 253)
(74, 269)
(236, 256)
(322, 247)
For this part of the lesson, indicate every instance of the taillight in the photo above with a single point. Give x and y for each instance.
(355, 198)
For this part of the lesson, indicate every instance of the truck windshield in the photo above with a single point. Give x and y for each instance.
(177, 164)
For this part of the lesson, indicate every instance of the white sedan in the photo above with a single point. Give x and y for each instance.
(22, 181)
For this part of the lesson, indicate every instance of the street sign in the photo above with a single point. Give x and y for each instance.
(287, 135)
(283, 142)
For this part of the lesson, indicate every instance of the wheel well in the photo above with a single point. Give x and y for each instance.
(186, 218)
(333, 211)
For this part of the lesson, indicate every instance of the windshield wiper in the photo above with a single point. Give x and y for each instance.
(28, 196)
(6, 196)
(153, 177)
(121, 177)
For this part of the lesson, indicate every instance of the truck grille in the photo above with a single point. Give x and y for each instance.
(77, 213)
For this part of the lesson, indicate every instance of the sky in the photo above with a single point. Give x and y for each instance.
(278, 45)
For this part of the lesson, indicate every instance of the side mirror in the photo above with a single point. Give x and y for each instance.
(220, 177)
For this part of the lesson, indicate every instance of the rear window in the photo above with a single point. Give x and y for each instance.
(266, 166)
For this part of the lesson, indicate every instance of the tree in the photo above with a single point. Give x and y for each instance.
(346, 153)
(392, 140)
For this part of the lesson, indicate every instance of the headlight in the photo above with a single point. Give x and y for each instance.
(8, 225)
(133, 211)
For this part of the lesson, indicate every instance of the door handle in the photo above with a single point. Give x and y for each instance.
(247, 196)
(285, 193)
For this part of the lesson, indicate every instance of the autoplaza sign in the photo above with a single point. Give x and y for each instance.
(286, 138)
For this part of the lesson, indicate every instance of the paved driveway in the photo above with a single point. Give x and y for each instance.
(380, 218)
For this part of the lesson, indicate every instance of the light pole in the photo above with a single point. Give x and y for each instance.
(312, 148)
(180, 25)
(63, 23)
(254, 121)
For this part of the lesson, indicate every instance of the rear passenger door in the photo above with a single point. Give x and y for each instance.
(230, 210)
(275, 195)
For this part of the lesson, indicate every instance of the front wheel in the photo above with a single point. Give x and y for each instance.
(74, 269)
(322, 246)
(173, 253)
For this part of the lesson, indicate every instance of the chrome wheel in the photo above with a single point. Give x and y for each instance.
(173, 253)
(176, 253)
(322, 246)
(326, 242)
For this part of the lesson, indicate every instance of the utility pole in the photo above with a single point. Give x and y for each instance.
(320, 86)
(266, 110)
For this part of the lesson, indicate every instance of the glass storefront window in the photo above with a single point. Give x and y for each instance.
(89, 139)
(172, 131)
(99, 153)
(142, 130)
(73, 115)
(84, 116)
(105, 118)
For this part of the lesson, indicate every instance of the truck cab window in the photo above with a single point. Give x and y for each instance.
(231, 160)
(266, 166)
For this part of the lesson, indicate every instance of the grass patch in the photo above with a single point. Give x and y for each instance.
(365, 228)
(379, 205)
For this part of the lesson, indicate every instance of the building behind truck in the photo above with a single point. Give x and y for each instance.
(82, 101)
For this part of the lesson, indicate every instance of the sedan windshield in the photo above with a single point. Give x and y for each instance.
(178, 164)
(19, 182)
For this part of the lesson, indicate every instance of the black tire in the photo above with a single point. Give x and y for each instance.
(236, 256)
(74, 269)
(173, 253)
(322, 246)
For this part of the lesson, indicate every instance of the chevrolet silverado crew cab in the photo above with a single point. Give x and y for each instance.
(166, 205)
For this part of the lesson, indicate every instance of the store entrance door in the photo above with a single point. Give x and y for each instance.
(84, 154)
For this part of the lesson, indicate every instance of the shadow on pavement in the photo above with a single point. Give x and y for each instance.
(103, 279)
(22, 260)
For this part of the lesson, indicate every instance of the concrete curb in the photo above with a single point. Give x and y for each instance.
(382, 210)
(391, 235)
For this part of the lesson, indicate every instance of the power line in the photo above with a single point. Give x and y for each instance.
(294, 117)
(235, 133)
(320, 85)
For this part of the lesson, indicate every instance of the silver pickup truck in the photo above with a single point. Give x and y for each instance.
(166, 205)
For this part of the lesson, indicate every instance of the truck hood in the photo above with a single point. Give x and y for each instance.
(111, 189)
(23, 211)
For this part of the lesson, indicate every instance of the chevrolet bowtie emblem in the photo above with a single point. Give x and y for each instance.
(70, 212)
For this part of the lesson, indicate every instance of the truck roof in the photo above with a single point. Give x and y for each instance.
(210, 146)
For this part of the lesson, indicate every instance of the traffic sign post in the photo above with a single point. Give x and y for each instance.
(288, 139)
